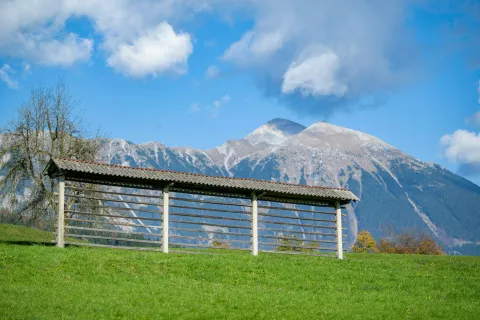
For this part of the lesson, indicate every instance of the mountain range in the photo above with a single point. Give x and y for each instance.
(397, 191)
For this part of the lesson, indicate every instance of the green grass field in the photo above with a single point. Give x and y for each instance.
(43, 282)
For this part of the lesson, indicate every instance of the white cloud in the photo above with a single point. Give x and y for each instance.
(212, 72)
(462, 147)
(129, 33)
(363, 47)
(33, 31)
(57, 52)
(6, 73)
(256, 45)
(158, 51)
(316, 75)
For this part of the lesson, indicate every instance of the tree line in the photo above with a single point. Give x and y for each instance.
(409, 241)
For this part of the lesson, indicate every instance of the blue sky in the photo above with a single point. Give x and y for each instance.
(196, 73)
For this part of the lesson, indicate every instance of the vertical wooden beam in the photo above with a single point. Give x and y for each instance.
(165, 220)
(338, 224)
(254, 225)
(61, 212)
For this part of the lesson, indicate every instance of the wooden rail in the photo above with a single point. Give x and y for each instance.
(244, 217)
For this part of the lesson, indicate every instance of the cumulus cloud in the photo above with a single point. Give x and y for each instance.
(463, 147)
(257, 45)
(316, 75)
(6, 73)
(134, 35)
(320, 55)
(57, 52)
(33, 31)
(158, 51)
(313, 55)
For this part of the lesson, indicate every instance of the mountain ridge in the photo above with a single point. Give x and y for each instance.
(396, 190)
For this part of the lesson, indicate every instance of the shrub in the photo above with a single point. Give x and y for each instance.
(410, 242)
(220, 244)
(386, 246)
(294, 245)
(365, 243)
(428, 246)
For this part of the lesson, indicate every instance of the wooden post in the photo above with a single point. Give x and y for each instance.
(165, 220)
(254, 225)
(61, 212)
(338, 224)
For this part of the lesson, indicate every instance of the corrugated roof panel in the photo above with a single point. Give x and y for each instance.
(94, 168)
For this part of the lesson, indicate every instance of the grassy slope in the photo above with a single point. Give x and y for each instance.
(45, 282)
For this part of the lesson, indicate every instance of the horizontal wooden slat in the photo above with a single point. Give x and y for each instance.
(207, 239)
(114, 223)
(294, 218)
(210, 224)
(110, 238)
(111, 215)
(302, 253)
(116, 208)
(302, 232)
(214, 232)
(202, 192)
(211, 202)
(297, 201)
(208, 209)
(298, 239)
(295, 246)
(117, 193)
(181, 214)
(113, 200)
(110, 246)
(113, 231)
(296, 224)
(205, 246)
(297, 210)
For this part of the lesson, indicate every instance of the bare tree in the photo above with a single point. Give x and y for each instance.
(47, 125)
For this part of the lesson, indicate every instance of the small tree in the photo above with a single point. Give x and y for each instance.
(410, 241)
(428, 246)
(296, 245)
(365, 243)
(386, 246)
(220, 244)
(45, 126)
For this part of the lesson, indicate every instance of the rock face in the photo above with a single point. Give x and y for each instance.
(396, 190)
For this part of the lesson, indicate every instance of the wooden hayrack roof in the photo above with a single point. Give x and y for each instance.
(101, 173)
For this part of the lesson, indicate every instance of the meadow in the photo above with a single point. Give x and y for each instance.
(40, 281)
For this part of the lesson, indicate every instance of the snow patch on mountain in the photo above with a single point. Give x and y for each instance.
(329, 155)
(388, 171)
(424, 217)
(228, 153)
(274, 132)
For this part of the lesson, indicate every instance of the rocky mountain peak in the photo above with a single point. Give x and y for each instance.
(274, 132)
(324, 134)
